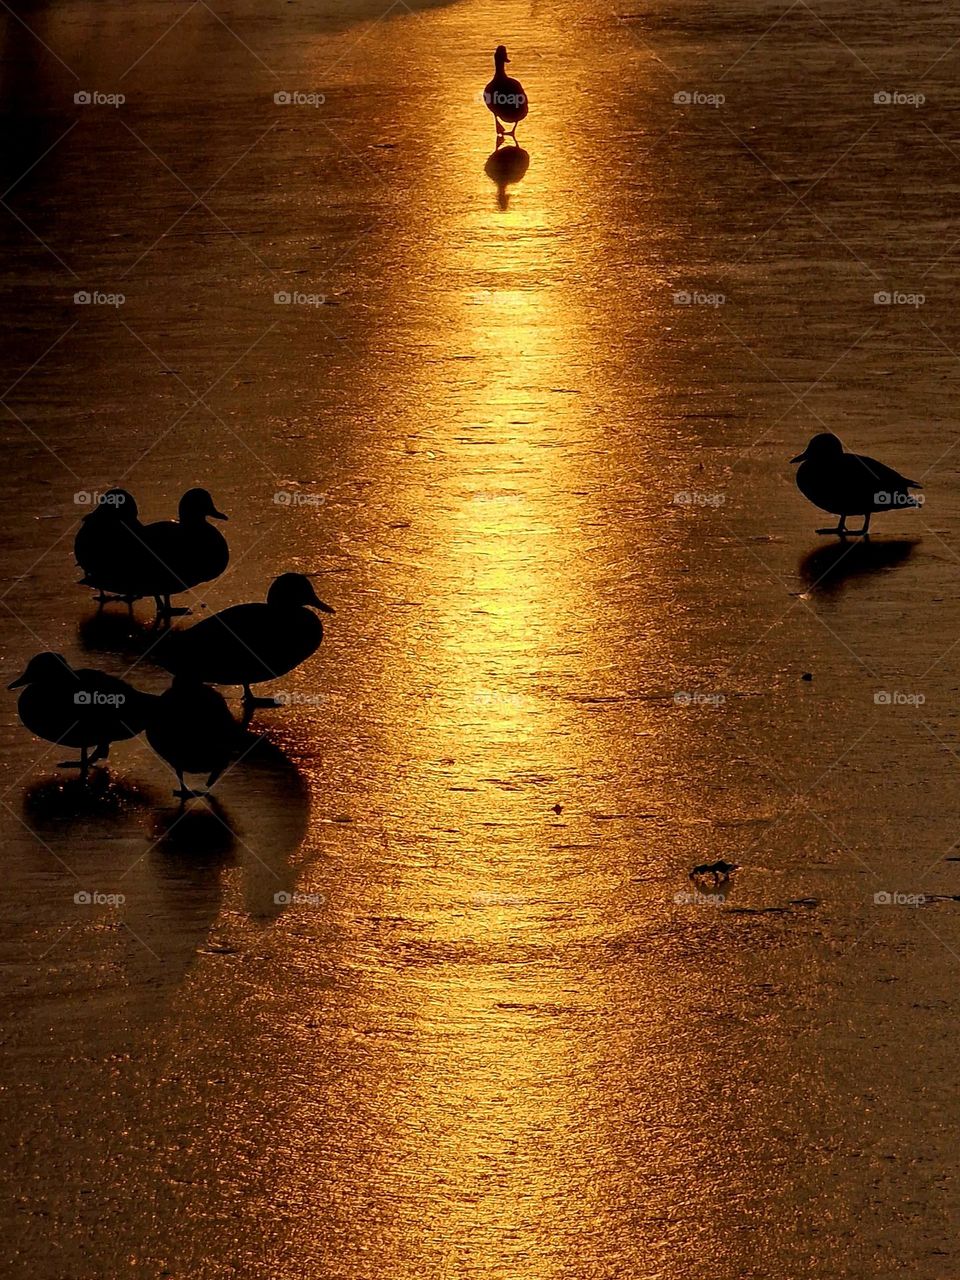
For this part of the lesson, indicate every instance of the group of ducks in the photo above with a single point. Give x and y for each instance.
(189, 725)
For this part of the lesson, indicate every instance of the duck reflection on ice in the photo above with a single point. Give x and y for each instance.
(828, 568)
(506, 167)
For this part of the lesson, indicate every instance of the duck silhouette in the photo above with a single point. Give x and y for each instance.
(85, 708)
(190, 726)
(177, 555)
(506, 168)
(109, 547)
(505, 97)
(850, 484)
(249, 643)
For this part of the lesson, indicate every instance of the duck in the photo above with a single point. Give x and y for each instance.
(191, 728)
(850, 484)
(83, 708)
(505, 97)
(177, 555)
(249, 643)
(109, 545)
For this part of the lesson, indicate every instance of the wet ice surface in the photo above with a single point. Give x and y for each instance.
(484, 1038)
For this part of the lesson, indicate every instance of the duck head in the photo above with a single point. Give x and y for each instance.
(197, 505)
(44, 668)
(823, 448)
(295, 590)
(500, 56)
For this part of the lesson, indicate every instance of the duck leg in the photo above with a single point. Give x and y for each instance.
(83, 764)
(840, 530)
(185, 793)
(251, 700)
(166, 610)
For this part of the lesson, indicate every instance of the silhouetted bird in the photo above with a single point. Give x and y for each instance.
(190, 726)
(250, 643)
(506, 168)
(505, 97)
(109, 547)
(84, 708)
(850, 484)
(180, 554)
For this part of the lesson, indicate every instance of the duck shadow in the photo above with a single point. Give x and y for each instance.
(505, 167)
(827, 569)
(51, 802)
(274, 816)
(119, 632)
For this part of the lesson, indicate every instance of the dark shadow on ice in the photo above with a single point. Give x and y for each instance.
(506, 167)
(827, 569)
(272, 825)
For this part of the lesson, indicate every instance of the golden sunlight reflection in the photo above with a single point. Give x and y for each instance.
(479, 1123)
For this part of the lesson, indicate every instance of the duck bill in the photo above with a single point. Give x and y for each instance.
(318, 604)
(801, 457)
(19, 682)
(218, 515)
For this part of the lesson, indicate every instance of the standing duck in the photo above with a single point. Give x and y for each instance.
(109, 545)
(505, 97)
(191, 728)
(83, 708)
(249, 643)
(850, 484)
(178, 555)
